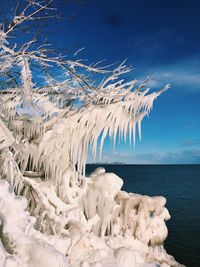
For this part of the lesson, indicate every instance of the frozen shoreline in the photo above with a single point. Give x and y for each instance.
(82, 238)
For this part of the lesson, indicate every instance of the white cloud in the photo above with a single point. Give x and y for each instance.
(183, 75)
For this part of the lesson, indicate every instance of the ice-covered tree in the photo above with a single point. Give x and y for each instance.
(45, 134)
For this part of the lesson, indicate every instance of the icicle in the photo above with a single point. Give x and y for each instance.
(6, 138)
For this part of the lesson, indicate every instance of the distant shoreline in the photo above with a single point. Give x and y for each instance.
(143, 164)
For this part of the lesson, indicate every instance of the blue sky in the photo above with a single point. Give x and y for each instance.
(157, 37)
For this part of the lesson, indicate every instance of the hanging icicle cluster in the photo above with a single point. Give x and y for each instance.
(71, 137)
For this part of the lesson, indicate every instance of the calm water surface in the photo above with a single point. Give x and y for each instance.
(180, 184)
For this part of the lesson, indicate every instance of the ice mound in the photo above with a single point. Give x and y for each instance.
(108, 227)
(20, 246)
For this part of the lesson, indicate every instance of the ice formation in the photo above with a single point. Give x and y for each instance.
(92, 223)
(51, 214)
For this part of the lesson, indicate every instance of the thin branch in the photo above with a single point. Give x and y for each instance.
(22, 17)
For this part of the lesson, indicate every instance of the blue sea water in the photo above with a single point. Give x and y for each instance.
(180, 184)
